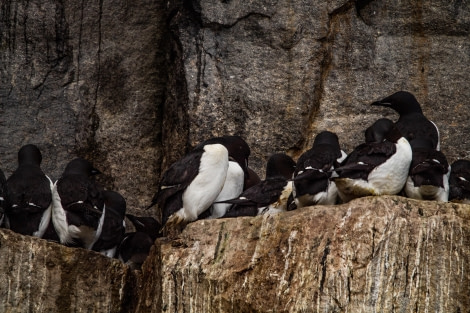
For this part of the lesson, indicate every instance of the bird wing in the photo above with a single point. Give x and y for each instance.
(365, 158)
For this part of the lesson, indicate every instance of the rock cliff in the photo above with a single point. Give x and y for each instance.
(133, 85)
(376, 254)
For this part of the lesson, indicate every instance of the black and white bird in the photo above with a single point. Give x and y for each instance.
(114, 227)
(412, 123)
(429, 173)
(375, 168)
(271, 194)
(237, 173)
(29, 195)
(78, 205)
(459, 182)
(190, 186)
(135, 246)
(312, 184)
(3, 198)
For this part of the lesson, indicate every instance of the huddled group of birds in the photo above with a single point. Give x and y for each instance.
(402, 157)
(214, 181)
(75, 210)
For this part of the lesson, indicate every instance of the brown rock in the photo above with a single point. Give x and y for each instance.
(376, 254)
(40, 276)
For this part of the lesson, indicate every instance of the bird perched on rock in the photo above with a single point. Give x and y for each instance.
(29, 194)
(312, 184)
(135, 246)
(190, 186)
(375, 168)
(459, 182)
(412, 123)
(428, 177)
(114, 227)
(78, 209)
(237, 173)
(270, 195)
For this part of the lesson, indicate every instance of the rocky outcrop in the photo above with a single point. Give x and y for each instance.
(40, 276)
(132, 85)
(375, 254)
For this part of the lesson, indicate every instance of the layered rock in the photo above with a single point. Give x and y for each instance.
(40, 276)
(376, 254)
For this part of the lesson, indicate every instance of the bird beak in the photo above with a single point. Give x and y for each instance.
(95, 171)
(381, 103)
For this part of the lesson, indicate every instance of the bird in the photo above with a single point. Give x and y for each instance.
(29, 194)
(135, 246)
(237, 173)
(375, 168)
(428, 177)
(252, 179)
(114, 227)
(412, 123)
(78, 205)
(134, 249)
(146, 224)
(270, 195)
(459, 181)
(314, 168)
(190, 185)
(3, 197)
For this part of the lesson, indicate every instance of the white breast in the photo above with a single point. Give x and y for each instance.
(203, 190)
(233, 187)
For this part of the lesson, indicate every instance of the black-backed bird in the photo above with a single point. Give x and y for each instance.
(78, 210)
(114, 227)
(29, 195)
(189, 186)
(315, 167)
(429, 172)
(271, 194)
(135, 246)
(412, 123)
(375, 168)
(459, 182)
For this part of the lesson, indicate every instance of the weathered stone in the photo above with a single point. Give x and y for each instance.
(279, 72)
(40, 276)
(85, 78)
(376, 254)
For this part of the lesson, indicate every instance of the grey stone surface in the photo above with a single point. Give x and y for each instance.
(279, 72)
(85, 78)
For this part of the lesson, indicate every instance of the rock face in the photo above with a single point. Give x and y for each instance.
(39, 276)
(376, 254)
(132, 85)
(77, 81)
(279, 72)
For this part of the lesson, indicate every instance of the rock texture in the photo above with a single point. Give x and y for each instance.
(39, 276)
(85, 78)
(132, 86)
(279, 72)
(377, 254)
